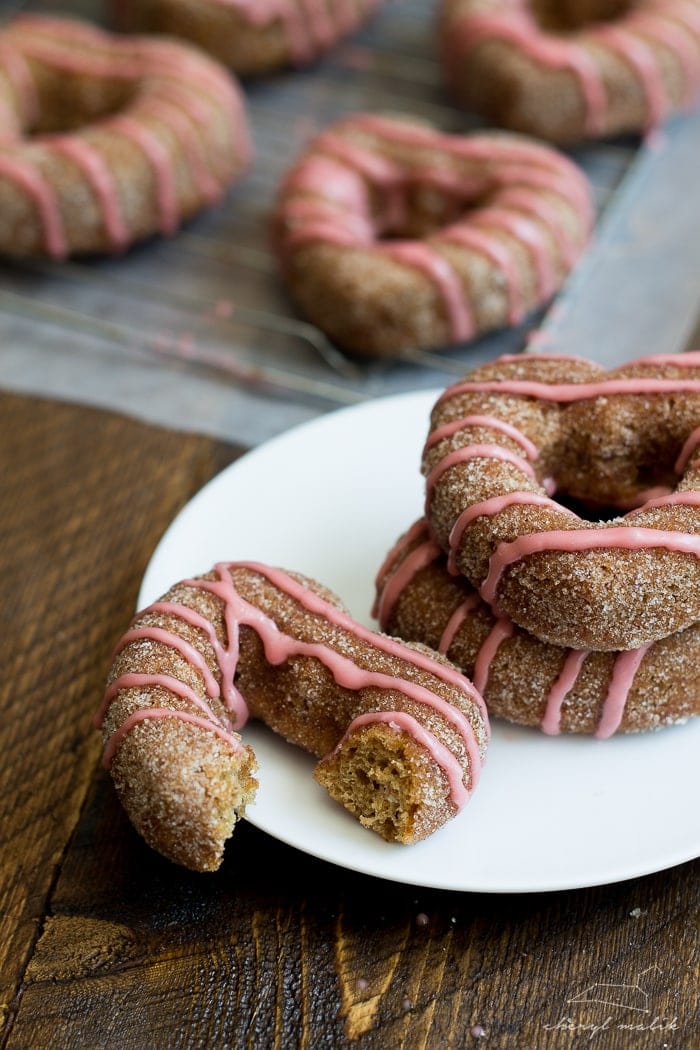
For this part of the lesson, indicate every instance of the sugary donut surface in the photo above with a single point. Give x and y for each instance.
(573, 69)
(110, 139)
(521, 428)
(393, 235)
(400, 732)
(249, 36)
(522, 679)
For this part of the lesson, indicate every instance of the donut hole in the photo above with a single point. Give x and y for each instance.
(562, 16)
(66, 102)
(425, 207)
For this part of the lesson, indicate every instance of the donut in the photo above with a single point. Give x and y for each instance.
(574, 69)
(108, 139)
(518, 430)
(393, 235)
(250, 36)
(524, 680)
(400, 733)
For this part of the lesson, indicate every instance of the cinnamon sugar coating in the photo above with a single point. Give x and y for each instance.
(572, 69)
(110, 139)
(402, 731)
(519, 675)
(604, 438)
(250, 36)
(393, 235)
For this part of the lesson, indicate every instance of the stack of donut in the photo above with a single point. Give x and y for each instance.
(567, 622)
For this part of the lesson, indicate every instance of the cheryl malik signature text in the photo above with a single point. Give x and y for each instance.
(627, 1008)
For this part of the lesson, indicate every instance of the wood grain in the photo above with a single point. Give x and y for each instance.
(105, 944)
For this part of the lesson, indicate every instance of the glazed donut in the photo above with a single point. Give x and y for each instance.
(250, 36)
(572, 69)
(393, 235)
(522, 679)
(520, 428)
(402, 732)
(109, 139)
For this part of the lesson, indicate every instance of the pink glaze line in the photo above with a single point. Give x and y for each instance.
(488, 508)
(28, 178)
(279, 647)
(160, 164)
(497, 254)
(658, 26)
(470, 31)
(689, 448)
(146, 681)
(624, 669)
(419, 558)
(19, 73)
(419, 530)
(531, 203)
(566, 393)
(468, 452)
(179, 123)
(573, 663)
(441, 755)
(640, 58)
(522, 228)
(455, 621)
(173, 641)
(445, 279)
(503, 628)
(575, 540)
(145, 714)
(448, 429)
(100, 179)
(689, 498)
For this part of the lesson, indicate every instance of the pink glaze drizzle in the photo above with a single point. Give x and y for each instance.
(488, 508)
(575, 540)
(688, 450)
(279, 647)
(624, 669)
(441, 755)
(146, 714)
(30, 180)
(448, 429)
(103, 184)
(468, 452)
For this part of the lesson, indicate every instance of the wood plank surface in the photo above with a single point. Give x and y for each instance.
(105, 944)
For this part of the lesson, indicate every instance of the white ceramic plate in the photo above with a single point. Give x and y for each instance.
(328, 499)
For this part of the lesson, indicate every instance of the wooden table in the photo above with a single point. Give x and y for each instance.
(105, 944)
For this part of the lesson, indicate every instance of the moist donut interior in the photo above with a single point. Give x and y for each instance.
(561, 16)
(69, 101)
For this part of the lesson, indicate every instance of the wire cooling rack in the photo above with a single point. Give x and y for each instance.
(196, 331)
